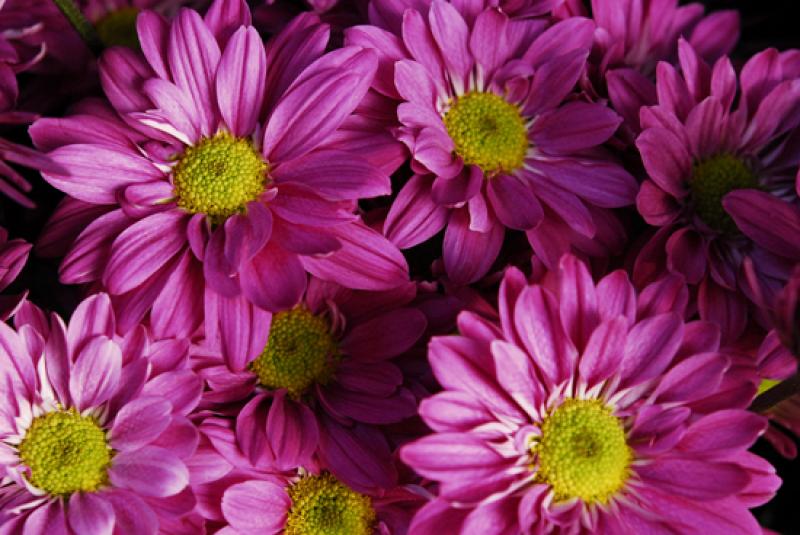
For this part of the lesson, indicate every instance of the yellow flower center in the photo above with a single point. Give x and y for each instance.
(300, 352)
(487, 131)
(321, 505)
(582, 452)
(219, 176)
(711, 180)
(118, 28)
(66, 453)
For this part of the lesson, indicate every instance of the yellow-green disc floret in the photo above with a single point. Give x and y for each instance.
(711, 180)
(321, 505)
(300, 351)
(219, 176)
(118, 28)
(66, 453)
(487, 131)
(582, 452)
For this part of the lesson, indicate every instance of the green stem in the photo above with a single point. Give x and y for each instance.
(776, 394)
(81, 24)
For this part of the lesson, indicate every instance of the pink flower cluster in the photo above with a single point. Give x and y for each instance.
(391, 267)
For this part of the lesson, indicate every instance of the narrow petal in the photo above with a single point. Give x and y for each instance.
(292, 431)
(240, 81)
(143, 248)
(96, 372)
(274, 279)
(413, 217)
(514, 202)
(468, 255)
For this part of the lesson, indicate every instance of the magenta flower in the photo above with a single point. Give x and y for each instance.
(229, 177)
(317, 379)
(94, 431)
(496, 138)
(13, 255)
(581, 410)
(721, 177)
(241, 498)
(632, 36)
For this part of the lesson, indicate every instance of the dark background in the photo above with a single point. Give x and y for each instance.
(765, 23)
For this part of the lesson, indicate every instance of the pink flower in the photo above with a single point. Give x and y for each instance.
(94, 431)
(721, 177)
(582, 410)
(243, 498)
(228, 175)
(13, 256)
(316, 380)
(632, 36)
(497, 137)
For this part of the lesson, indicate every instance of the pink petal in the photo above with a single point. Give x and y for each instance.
(143, 248)
(90, 514)
(292, 431)
(149, 471)
(650, 346)
(193, 59)
(140, 422)
(274, 279)
(573, 127)
(514, 202)
(256, 506)
(96, 372)
(240, 81)
(414, 217)
(367, 340)
(694, 479)
(468, 255)
(366, 260)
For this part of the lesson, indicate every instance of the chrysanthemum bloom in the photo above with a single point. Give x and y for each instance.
(242, 498)
(576, 414)
(230, 179)
(495, 142)
(317, 379)
(93, 427)
(632, 36)
(721, 162)
(13, 255)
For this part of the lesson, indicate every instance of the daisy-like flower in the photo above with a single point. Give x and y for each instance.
(632, 36)
(227, 177)
(496, 141)
(576, 413)
(721, 162)
(242, 498)
(13, 256)
(317, 379)
(93, 427)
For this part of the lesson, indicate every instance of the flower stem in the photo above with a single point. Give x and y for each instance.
(81, 24)
(780, 392)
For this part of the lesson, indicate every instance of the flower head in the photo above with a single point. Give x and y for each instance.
(318, 379)
(585, 408)
(94, 430)
(245, 497)
(721, 178)
(228, 173)
(497, 139)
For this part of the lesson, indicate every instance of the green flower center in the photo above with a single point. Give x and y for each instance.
(66, 453)
(300, 351)
(582, 452)
(711, 180)
(118, 28)
(487, 131)
(323, 506)
(219, 176)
